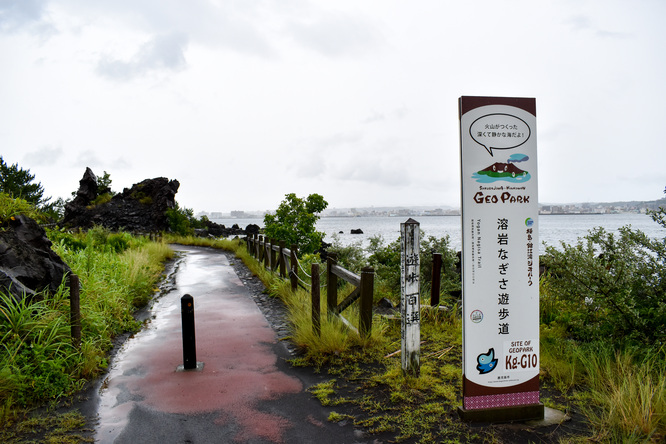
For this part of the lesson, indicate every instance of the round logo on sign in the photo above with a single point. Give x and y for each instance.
(476, 316)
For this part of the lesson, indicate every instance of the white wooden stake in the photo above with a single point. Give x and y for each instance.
(409, 297)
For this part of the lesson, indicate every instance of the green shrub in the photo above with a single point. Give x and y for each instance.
(609, 287)
(350, 256)
(101, 199)
(385, 259)
(180, 220)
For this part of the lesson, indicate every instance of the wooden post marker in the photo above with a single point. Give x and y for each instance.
(436, 281)
(75, 309)
(316, 300)
(409, 297)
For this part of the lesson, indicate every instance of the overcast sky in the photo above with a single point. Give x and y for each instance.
(245, 101)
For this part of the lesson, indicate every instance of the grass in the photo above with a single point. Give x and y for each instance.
(38, 362)
(621, 395)
(622, 399)
(626, 399)
(62, 428)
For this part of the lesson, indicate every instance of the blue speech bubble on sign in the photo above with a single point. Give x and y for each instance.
(499, 131)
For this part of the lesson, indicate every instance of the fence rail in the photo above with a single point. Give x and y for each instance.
(273, 255)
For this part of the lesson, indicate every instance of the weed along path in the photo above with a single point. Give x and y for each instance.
(244, 392)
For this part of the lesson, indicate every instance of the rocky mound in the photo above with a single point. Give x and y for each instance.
(141, 208)
(27, 263)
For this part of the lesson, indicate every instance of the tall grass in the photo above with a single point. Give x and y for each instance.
(37, 356)
(622, 393)
(118, 273)
(627, 398)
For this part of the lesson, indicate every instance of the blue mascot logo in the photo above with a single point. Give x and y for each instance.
(487, 362)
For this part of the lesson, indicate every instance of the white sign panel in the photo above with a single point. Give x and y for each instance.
(500, 252)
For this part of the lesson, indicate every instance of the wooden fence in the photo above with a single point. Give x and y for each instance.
(277, 258)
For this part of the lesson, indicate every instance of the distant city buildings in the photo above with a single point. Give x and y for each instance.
(575, 208)
(602, 208)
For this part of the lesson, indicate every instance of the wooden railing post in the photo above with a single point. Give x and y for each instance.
(367, 286)
(283, 270)
(267, 251)
(274, 257)
(260, 249)
(75, 309)
(316, 300)
(331, 284)
(294, 268)
(436, 281)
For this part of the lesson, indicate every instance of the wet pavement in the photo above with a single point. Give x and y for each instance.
(244, 393)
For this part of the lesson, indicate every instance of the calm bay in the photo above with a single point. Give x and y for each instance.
(553, 229)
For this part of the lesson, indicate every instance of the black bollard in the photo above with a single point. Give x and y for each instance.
(189, 343)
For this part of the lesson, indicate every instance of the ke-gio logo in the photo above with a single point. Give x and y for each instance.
(486, 362)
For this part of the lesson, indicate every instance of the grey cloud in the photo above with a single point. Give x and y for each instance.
(228, 25)
(43, 156)
(339, 139)
(374, 117)
(87, 159)
(583, 23)
(336, 34)
(30, 15)
(90, 159)
(389, 173)
(398, 113)
(120, 164)
(163, 53)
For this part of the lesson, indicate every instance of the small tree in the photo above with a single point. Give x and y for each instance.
(104, 184)
(180, 220)
(294, 222)
(18, 183)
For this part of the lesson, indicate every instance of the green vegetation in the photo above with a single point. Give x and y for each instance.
(602, 342)
(609, 287)
(181, 220)
(18, 184)
(294, 222)
(602, 330)
(38, 362)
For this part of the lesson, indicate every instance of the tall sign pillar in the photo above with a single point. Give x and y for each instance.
(500, 259)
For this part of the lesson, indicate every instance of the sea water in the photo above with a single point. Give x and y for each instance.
(553, 229)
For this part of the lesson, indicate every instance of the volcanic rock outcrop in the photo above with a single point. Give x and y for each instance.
(27, 263)
(141, 208)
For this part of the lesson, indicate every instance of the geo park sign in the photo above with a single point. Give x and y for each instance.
(500, 260)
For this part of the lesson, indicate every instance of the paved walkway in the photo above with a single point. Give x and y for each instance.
(245, 392)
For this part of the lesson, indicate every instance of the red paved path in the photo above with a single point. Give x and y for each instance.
(241, 395)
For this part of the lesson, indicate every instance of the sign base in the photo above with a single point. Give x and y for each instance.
(503, 414)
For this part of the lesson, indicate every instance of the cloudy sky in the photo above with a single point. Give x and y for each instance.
(244, 101)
